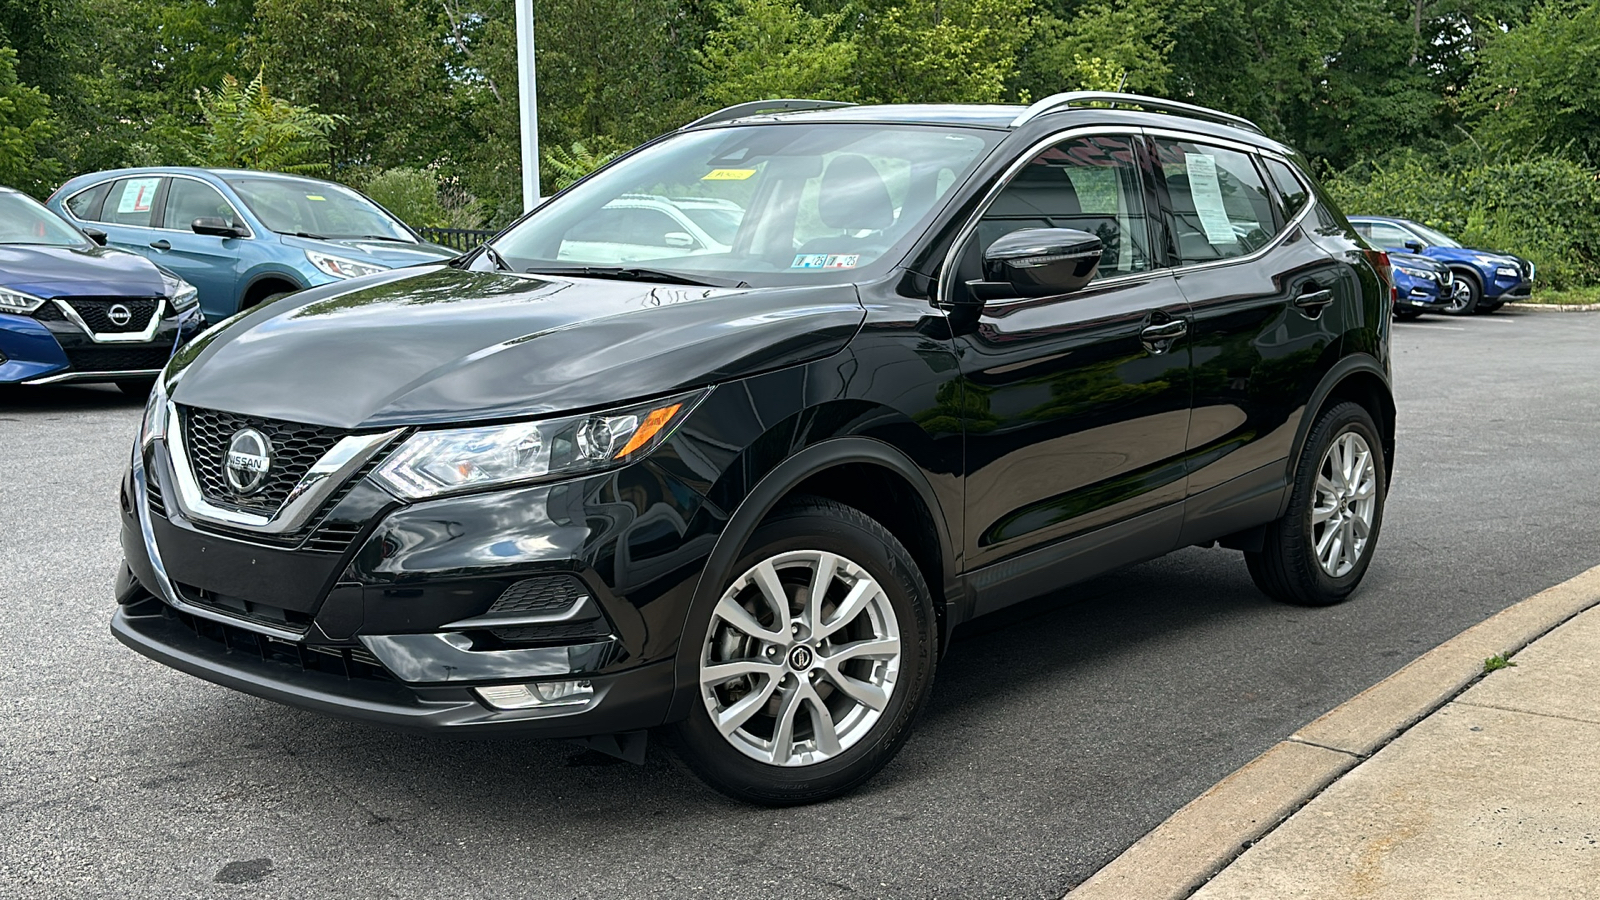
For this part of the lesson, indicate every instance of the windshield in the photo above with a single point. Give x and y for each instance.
(768, 204)
(1433, 238)
(317, 209)
(24, 221)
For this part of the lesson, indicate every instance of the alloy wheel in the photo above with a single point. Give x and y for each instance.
(1345, 504)
(800, 659)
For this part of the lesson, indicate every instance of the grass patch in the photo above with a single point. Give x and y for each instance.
(1569, 297)
(1497, 661)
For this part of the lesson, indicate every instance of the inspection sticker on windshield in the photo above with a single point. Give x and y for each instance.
(137, 194)
(1207, 194)
(841, 261)
(809, 261)
(316, 197)
(728, 174)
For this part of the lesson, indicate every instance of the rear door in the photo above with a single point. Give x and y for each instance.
(1268, 306)
(126, 214)
(1076, 411)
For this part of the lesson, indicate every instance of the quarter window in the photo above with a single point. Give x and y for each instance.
(1091, 184)
(85, 205)
(1291, 188)
(1220, 205)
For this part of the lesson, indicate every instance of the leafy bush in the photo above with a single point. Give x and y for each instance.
(421, 201)
(26, 126)
(249, 128)
(565, 165)
(1542, 207)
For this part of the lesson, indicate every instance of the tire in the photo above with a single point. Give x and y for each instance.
(1293, 564)
(761, 760)
(1484, 308)
(136, 387)
(1465, 304)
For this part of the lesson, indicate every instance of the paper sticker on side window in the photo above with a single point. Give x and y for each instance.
(137, 195)
(1207, 194)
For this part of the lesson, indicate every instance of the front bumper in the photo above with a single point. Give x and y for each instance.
(398, 624)
(53, 349)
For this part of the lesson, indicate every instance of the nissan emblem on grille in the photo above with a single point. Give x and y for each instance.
(119, 315)
(249, 457)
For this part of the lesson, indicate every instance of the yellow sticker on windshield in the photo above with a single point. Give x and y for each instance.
(316, 197)
(728, 174)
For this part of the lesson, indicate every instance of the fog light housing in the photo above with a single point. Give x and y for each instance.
(537, 694)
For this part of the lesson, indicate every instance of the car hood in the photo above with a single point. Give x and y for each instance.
(1416, 261)
(435, 345)
(89, 271)
(1473, 257)
(386, 253)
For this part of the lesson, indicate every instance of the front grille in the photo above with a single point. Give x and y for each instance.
(557, 632)
(295, 448)
(96, 313)
(333, 537)
(49, 312)
(550, 593)
(275, 616)
(117, 359)
(152, 495)
(351, 661)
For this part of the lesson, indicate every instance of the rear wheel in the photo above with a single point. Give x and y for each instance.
(815, 662)
(1319, 551)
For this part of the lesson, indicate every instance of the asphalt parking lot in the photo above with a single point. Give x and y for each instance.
(1059, 733)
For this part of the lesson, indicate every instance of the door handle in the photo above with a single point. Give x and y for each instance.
(160, 245)
(1313, 301)
(1158, 338)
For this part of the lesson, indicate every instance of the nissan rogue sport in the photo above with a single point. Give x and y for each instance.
(951, 358)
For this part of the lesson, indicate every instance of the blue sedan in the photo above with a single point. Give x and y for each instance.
(1492, 279)
(242, 237)
(71, 310)
(1423, 284)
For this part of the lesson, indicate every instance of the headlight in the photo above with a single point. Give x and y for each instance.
(1508, 272)
(18, 302)
(154, 425)
(181, 293)
(431, 463)
(1422, 274)
(339, 267)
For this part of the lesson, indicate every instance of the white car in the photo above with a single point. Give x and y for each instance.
(637, 227)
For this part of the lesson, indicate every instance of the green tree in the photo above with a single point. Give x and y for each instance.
(765, 49)
(26, 126)
(1537, 86)
(248, 128)
(943, 51)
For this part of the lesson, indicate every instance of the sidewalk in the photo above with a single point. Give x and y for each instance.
(1437, 783)
(1495, 795)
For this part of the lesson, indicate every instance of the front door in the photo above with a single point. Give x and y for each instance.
(1076, 406)
(209, 262)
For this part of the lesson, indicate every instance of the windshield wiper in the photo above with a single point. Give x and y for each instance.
(379, 237)
(634, 273)
(306, 234)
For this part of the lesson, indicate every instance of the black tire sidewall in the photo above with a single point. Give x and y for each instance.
(820, 526)
(1339, 420)
(1474, 296)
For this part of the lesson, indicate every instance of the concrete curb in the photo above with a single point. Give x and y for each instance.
(1555, 307)
(1202, 838)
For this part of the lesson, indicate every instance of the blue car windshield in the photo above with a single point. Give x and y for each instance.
(767, 204)
(24, 221)
(1433, 238)
(317, 209)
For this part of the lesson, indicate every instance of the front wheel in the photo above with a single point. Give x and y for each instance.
(1319, 551)
(815, 661)
(1464, 296)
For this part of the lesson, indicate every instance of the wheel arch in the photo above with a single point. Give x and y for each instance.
(853, 470)
(265, 284)
(1360, 379)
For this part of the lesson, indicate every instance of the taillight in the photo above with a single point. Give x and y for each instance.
(1379, 261)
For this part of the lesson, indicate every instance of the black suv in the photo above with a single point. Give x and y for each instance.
(730, 436)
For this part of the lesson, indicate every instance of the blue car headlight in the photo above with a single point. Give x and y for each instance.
(181, 294)
(339, 267)
(18, 302)
(1507, 272)
(1419, 274)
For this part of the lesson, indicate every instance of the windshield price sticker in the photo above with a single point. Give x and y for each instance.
(137, 194)
(1207, 194)
(728, 174)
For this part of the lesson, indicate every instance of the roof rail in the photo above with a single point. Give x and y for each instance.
(1154, 104)
(740, 110)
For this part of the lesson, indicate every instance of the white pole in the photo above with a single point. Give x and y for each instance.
(528, 99)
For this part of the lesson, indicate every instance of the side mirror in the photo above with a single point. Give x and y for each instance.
(679, 239)
(214, 225)
(1039, 262)
(1414, 246)
(96, 235)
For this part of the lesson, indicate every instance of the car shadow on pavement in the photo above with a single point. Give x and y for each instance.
(48, 398)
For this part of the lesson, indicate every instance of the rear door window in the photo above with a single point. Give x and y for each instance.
(1221, 208)
(85, 205)
(131, 201)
